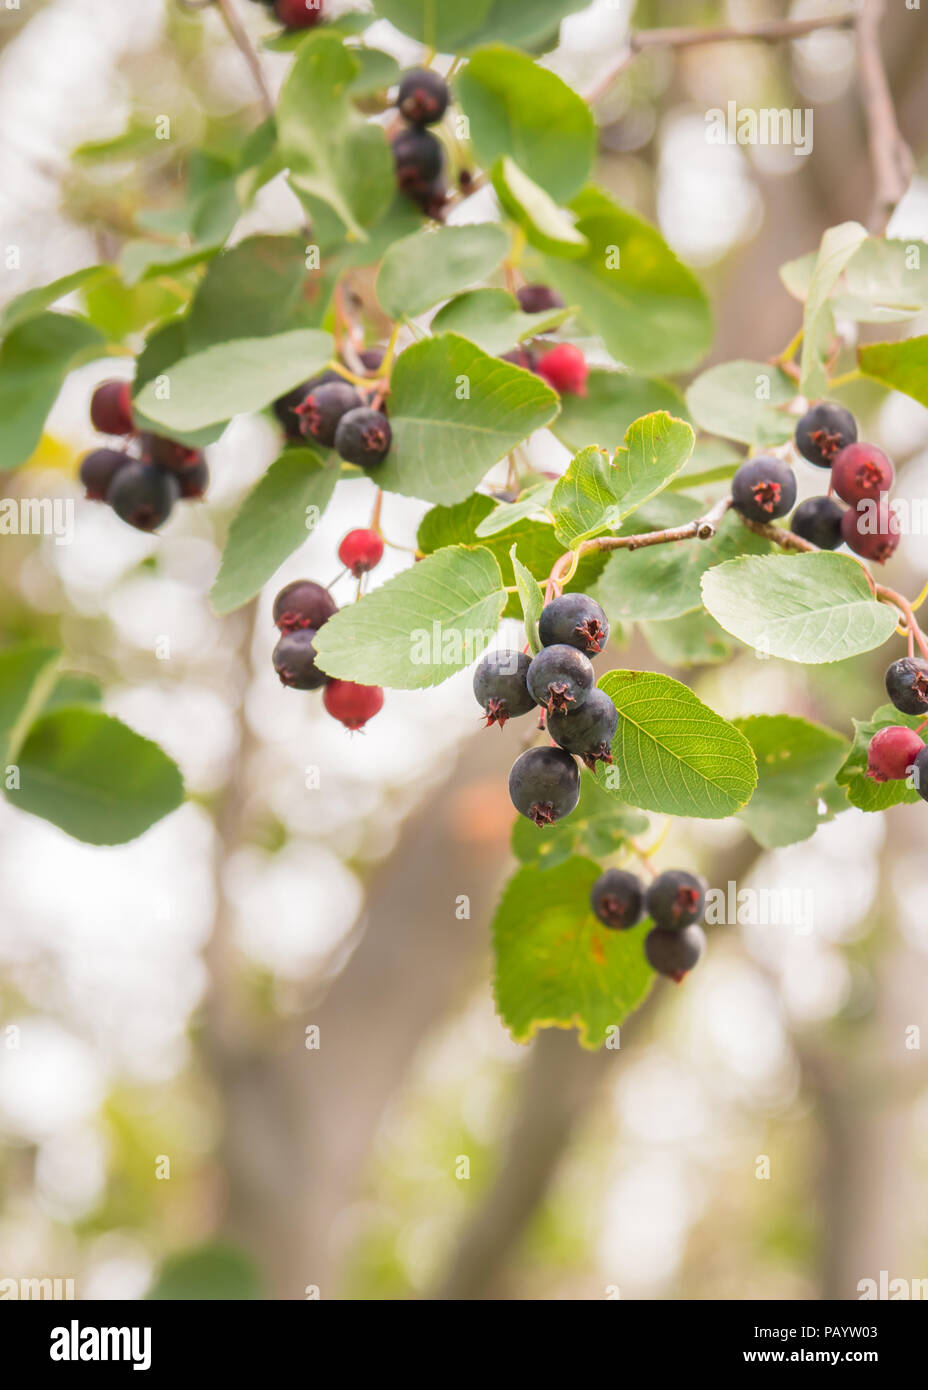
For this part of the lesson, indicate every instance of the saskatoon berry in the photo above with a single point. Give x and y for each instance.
(521, 357)
(99, 468)
(764, 488)
(538, 299)
(320, 411)
(544, 784)
(363, 437)
(819, 520)
(588, 732)
(298, 14)
(372, 359)
(892, 752)
(873, 532)
(564, 369)
(353, 705)
(676, 898)
(193, 482)
(861, 472)
(617, 899)
(360, 551)
(143, 495)
(111, 408)
(560, 678)
(674, 953)
(418, 158)
(285, 406)
(574, 619)
(423, 96)
(907, 684)
(295, 660)
(824, 431)
(304, 603)
(920, 774)
(167, 453)
(499, 686)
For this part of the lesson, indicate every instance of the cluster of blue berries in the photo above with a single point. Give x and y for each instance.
(330, 411)
(674, 901)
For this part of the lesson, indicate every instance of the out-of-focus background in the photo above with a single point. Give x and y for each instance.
(261, 1033)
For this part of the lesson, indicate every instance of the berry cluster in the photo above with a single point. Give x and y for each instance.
(418, 155)
(328, 410)
(295, 14)
(674, 902)
(564, 366)
(898, 752)
(141, 487)
(544, 783)
(300, 610)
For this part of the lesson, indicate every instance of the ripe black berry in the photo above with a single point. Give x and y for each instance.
(167, 453)
(521, 357)
(99, 468)
(589, 731)
(423, 96)
(824, 431)
(321, 409)
(544, 784)
(674, 953)
(111, 408)
(574, 619)
(617, 899)
(920, 774)
(819, 520)
(560, 678)
(676, 898)
(892, 752)
(418, 157)
(304, 603)
(295, 660)
(372, 359)
(907, 685)
(194, 482)
(285, 406)
(363, 437)
(538, 299)
(764, 488)
(861, 471)
(143, 495)
(499, 686)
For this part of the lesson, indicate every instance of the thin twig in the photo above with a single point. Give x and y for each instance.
(890, 157)
(244, 45)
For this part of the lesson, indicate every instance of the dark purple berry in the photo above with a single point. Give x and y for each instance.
(168, 453)
(499, 686)
(521, 357)
(764, 488)
(143, 495)
(824, 431)
(372, 359)
(538, 299)
(920, 774)
(194, 482)
(674, 953)
(892, 752)
(871, 530)
(418, 157)
(295, 660)
(574, 619)
(320, 411)
(907, 685)
(617, 899)
(285, 406)
(676, 898)
(363, 437)
(560, 678)
(423, 96)
(99, 468)
(544, 784)
(111, 408)
(819, 520)
(304, 603)
(588, 732)
(861, 472)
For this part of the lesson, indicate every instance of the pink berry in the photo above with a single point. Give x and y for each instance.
(892, 752)
(298, 14)
(111, 408)
(872, 531)
(360, 551)
(564, 368)
(353, 705)
(861, 471)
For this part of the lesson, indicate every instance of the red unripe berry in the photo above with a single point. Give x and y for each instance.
(298, 14)
(360, 551)
(872, 532)
(892, 752)
(353, 705)
(111, 408)
(861, 471)
(564, 368)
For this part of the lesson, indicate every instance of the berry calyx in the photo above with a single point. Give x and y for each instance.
(500, 688)
(861, 472)
(322, 408)
(674, 953)
(143, 495)
(544, 784)
(892, 752)
(538, 299)
(168, 453)
(363, 437)
(303, 604)
(559, 678)
(565, 370)
(871, 530)
(353, 705)
(98, 469)
(295, 660)
(423, 96)
(907, 685)
(298, 14)
(589, 731)
(617, 899)
(818, 520)
(574, 619)
(419, 159)
(824, 431)
(361, 551)
(764, 488)
(111, 408)
(285, 406)
(675, 899)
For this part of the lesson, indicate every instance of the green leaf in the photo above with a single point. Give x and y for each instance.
(812, 608)
(600, 825)
(253, 290)
(333, 153)
(556, 965)
(902, 366)
(493, 320)
(440, 24)
(694, 639)
(274, 519)
(434, 264)
(883, 282)
(220, 1273)
(35, 358)
(376, 71)
(27, 677)
(121, 312)
(531, 502)
(141, 260)
(650, 311)
(455, 411)
(837, 246)
(420, 627)
(234, 378)
(70, 689)
(519, 109)
(527, 26)
(612, 402)
(94, 777)
(545, 224)
(532, 598)
(31, 302)
(862, 791)
(746, 401)
(672, 753)
(796, 762)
